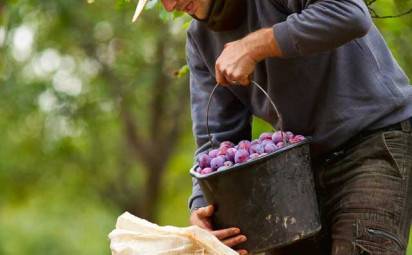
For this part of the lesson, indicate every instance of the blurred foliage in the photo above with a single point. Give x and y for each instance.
(70, 71)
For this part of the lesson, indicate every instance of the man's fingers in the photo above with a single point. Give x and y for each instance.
(220, 79)
(225, 233)
(242, 252)
(235, 240)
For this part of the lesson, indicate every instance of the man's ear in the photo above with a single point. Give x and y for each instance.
(169, 4)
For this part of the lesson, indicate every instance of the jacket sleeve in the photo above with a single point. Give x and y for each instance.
(229, 118)
(314, 26)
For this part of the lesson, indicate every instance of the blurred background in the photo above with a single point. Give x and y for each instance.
(95, 119)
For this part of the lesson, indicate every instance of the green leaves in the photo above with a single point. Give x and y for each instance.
(183, 71)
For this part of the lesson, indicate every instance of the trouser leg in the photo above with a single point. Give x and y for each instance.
(369, 208)
(366, 199)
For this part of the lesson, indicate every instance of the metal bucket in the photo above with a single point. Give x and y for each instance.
(271, 199)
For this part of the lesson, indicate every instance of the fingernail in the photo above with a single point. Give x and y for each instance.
(243, 238)
(237, 231)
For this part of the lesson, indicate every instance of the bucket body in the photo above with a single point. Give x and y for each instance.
(272, 199)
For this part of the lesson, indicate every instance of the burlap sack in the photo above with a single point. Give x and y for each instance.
(135, 236)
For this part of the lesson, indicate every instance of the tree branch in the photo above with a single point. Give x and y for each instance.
(159, 94)
(375, 15)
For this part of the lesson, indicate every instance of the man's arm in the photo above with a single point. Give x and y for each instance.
(322, 25)
(229, 119)
(312, 27)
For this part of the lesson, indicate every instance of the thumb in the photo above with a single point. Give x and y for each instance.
(206, 211)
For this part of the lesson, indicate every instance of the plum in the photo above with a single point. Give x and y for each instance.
(297, 139)
(245, 145)
(270, 147)
(256, 141)
(254, 156)
(277, 136)
(217, 162)
(253, 147)
(222, 150)
(213, 153)
(203, 160)
(226, 144)
(260, 149)
(264, 142)
(265, 136)
(230, 154)
(206, 170)
(241, 156)
(228, 164)
(289, 134)
(221, 168)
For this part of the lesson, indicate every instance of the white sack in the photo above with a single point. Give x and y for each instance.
(135, 236)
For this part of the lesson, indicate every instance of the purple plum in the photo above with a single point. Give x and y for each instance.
(289, 134)
(280, 144)
(256, 141)
(245, 145)
(270, 147)
(265, 136)
(264, 142)
(228, 164)
(278, 136)
(241, 156)
(299, 137)
(260, 149)
(254, 156)
(222, 151)
(217, 162)
(203, 160)
(226, 144)
(253, 147)
(206, 170)
(230, 154)
(213, 153)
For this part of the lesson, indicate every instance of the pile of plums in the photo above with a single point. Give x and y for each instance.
(228, 154)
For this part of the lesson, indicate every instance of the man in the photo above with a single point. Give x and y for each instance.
(332, 77)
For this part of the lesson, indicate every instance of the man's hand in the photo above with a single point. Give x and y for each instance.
(229, 236)
(235, 64)
(238, 60)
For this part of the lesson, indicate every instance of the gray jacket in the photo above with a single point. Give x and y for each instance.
(337, 76)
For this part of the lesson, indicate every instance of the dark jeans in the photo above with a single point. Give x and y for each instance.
(365, 198)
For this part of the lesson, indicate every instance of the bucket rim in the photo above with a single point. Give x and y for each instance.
(199, 176)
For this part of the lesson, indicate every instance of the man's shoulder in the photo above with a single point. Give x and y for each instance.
(197, 29)
(198, 34)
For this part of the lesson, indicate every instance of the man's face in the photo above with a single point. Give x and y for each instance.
(196, 8)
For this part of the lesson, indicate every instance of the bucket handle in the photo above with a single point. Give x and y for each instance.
(285, 142)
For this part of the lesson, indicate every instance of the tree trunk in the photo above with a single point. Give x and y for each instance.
(152, 193)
